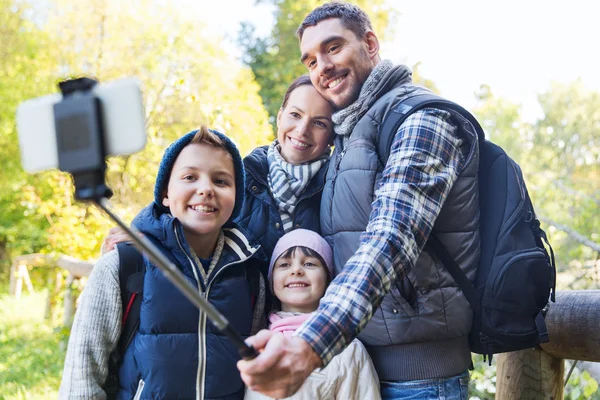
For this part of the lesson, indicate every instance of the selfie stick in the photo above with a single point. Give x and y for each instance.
(81, 153)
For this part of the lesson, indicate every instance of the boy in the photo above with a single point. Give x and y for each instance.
(175, 353)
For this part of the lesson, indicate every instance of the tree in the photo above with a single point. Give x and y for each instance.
(187, 80)
(24, 72)
(275, 60)
(560, 158)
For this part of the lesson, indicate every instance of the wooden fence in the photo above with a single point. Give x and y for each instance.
(19, 277)
(573, 325)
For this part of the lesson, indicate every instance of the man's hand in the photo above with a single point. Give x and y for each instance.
(115, 235)
(282, 366)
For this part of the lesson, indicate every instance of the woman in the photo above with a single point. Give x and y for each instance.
(284, 180)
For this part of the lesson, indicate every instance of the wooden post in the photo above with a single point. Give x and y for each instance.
(69, 304)
(573, 323)
(24, 274)
(529, 374)
(13, 278)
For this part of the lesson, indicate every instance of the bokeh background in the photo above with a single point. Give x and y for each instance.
(528, 70)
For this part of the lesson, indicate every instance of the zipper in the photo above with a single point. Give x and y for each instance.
(201, 376)
(201, 325)
(140, 389)
(528, 254)
(488, 352)
(338, 161)
(304, 197)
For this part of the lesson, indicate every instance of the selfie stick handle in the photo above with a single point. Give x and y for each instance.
(176, 277)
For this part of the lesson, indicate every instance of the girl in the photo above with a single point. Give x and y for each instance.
(301, 268)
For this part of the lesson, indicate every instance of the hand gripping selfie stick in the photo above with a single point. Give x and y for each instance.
(81, 152)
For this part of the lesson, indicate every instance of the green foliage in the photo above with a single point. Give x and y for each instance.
(483, 379)
(275, 60)
(31, 351)
(187, 77)
(581, 386)
(560, 158)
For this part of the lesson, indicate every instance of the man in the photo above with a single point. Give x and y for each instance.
(380, 205)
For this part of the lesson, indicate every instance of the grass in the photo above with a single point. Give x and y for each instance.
(31, 350)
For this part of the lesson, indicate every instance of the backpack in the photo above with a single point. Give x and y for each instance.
(516, 277)
(131, 282)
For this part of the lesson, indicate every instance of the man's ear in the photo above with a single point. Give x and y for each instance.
(372, 44)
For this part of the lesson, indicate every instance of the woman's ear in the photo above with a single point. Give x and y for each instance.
(279, 116)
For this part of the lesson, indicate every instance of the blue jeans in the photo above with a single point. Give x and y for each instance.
(453, 388)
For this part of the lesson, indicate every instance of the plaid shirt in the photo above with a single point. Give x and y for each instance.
(424, 162)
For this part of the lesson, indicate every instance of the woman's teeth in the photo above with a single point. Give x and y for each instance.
(299, 144)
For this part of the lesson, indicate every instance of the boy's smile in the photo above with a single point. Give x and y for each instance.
(201, 194)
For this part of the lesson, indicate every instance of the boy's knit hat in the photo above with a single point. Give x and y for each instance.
(305, 238)
(168, 160)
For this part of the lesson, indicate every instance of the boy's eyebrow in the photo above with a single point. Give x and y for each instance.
(195, 168)
(324, 43)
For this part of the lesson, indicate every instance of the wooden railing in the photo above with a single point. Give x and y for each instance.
(19, 276)
(573, 325)
(574, 329)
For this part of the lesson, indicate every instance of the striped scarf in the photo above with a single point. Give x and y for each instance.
(378, 81)
(288, 181)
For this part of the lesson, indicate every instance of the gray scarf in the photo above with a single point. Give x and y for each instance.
(383, 78)
(288, 181)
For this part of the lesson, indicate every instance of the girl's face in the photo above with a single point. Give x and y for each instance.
(299, 282)
(304, 127)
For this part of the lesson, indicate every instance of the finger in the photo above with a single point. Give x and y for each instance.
(260, 369)
(260, 340)
(114, 230)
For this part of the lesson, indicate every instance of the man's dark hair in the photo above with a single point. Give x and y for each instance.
(351, 16)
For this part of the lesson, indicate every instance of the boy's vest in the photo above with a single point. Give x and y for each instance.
(162, 360)
(420, 329)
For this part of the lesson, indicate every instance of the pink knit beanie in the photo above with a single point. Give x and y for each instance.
(305, 238)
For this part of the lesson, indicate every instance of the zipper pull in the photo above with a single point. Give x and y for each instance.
(339, 159)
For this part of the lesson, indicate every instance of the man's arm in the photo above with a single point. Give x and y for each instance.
(424, 162)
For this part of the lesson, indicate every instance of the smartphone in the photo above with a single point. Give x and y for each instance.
(123, 119)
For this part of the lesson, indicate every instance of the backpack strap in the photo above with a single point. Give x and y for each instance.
(458, 274)
(258, 292)
(131, 282)
(412, 104)
(394, 119)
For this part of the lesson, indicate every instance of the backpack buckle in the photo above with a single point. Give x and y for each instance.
(545, 309)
